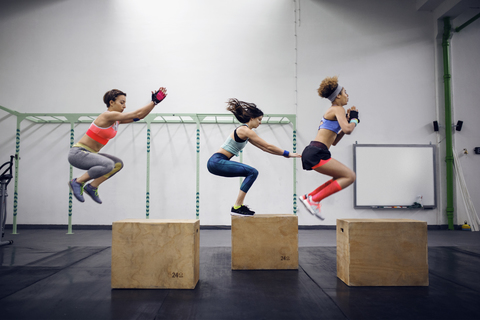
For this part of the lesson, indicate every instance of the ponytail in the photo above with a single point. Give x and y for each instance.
(243, 111)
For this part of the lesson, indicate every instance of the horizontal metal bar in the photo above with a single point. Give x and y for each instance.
(220, 118)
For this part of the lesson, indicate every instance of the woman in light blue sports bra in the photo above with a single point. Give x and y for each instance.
(220, 164)
(335, 123)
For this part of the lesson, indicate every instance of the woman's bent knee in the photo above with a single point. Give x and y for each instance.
(254, 173)
(109, 166)
(119, 165)
(351, 177)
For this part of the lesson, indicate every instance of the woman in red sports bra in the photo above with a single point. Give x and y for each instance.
(335, 123)
(85, 153)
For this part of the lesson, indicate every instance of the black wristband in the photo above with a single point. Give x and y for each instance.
(354, 115)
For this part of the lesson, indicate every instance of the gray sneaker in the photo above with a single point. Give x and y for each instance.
(77, 189)
(304, 200)
(315, 208)
(93, 193)
(312, 206)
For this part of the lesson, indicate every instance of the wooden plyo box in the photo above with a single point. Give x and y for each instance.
(382, 252)
(265, 241)
(155, 253)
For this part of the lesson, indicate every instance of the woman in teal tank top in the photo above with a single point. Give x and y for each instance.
(220, 164)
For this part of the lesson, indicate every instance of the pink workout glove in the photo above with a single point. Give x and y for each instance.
(158, 96)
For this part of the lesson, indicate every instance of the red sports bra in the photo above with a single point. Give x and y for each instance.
(102, 135)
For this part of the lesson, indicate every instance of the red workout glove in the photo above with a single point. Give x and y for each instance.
(158, 96)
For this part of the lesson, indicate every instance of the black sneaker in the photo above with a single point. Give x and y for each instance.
(242, 211)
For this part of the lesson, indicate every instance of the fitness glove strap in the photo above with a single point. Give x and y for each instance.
(353, 115)
(158, 96)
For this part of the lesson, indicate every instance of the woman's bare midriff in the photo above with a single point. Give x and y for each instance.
(326, 137)
(92, 144)
(225, 152)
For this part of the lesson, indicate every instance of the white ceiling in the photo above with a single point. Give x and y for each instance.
(449, 8)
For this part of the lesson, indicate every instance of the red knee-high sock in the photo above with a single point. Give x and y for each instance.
(328, 190)
(314, 192)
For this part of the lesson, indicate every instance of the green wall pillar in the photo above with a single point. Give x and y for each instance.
(448, 119)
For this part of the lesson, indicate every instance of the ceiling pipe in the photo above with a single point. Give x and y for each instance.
(463, 26)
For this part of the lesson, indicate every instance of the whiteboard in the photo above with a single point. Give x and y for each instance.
(394, 176)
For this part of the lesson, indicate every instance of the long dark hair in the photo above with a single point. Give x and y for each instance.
(243, 111)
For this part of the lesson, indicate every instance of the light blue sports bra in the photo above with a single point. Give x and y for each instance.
(331, 125)
(234, 146)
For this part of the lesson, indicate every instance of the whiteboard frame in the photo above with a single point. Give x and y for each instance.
(396, 206)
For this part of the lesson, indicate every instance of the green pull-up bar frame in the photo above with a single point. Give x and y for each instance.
(189, 118)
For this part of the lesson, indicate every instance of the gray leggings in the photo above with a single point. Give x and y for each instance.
(96, 164)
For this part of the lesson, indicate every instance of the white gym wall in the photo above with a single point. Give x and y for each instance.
(63, 55)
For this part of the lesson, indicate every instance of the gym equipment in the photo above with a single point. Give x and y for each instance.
(155, 254)
(265, 242)
(153, 118)
(5, 178)
(382, 252)
(466, 227)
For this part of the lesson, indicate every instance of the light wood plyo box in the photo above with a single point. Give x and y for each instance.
(265, 241)
(382, 252)
(155, 253)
